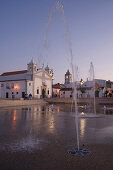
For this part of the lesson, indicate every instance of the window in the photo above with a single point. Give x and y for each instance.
(34, 68)
(12, 85)
(29, 84)
(37, 91)
(48, 91)
(30, 67)
(16, 92)
(2, 85)
(7, 86)
(7, 95)
(12, 92)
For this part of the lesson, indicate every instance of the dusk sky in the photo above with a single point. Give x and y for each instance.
(23, 25)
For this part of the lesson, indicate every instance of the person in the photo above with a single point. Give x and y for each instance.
(30, 96)
(26, 97)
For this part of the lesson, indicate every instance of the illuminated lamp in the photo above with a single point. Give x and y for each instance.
(16, 87)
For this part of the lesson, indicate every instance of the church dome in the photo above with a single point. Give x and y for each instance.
(47, 67)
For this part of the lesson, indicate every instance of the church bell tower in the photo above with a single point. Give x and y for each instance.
(68, 77)
(32, 67)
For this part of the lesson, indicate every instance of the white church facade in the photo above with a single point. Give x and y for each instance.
(33, 81)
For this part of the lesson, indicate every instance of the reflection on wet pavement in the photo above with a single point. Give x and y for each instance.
(36, 127)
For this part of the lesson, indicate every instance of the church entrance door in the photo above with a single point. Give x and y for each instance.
(7, 95)
(43, 93)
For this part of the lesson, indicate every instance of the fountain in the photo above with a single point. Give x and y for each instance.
(92, 78)
(58, 6)
(76, 151)
(91, 83)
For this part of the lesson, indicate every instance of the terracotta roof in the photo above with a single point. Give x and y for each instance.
(13, 73)
(57, 86)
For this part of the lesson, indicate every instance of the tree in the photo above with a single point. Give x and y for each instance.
(97, 93)
(82, 90)
(106, 92)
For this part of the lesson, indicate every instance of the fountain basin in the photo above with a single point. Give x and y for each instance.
(79, 152)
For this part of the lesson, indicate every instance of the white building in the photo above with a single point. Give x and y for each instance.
(85, 90)
(66, 93)
(37, 82)
(91, 88)
(56, 89)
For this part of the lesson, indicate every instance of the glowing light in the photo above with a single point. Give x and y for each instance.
(51, 124)
(81, 81)
(14, 116)
(14, 121)
(82, 113)
(16, 87)
(58, 109)
(82, 127)
(58, 91)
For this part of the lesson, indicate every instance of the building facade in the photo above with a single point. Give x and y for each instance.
(86, 89)
(90, 88)
(33, 81)
(66, 93)
(56, 89)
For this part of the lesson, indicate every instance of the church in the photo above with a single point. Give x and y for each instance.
(34, 81)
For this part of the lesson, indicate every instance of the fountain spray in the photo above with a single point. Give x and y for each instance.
(92, 78)
(59, 6)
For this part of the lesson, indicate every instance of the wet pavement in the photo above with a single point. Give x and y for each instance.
(38, 137)
(36, 127)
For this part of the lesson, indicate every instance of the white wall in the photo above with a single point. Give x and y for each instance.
(56, 92)
(65, 94)
(38, 84)
(62, 94)
(19, 87)
(29, 87)
(49, 87)
(89, 93)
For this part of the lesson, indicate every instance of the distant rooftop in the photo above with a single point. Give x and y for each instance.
(57, 86)
(13, 73)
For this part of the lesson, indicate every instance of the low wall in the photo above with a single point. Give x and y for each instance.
(8, 103)
(69, 100)
(99, 101)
